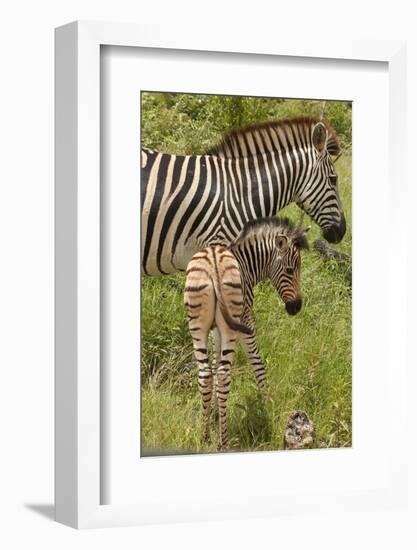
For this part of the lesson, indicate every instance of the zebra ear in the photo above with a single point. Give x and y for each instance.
(300, 239)
(281, 242)
(319, 136)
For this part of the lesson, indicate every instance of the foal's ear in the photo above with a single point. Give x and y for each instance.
(319, 136)
(300, 239)
(281, 242)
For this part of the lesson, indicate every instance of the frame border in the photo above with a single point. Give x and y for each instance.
(77, 241)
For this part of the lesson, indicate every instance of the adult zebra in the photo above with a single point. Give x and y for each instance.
(189, 202)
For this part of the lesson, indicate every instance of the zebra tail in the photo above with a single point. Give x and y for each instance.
(234, 325)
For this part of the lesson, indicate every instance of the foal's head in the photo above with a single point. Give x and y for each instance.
(285, 265)
(270, 248)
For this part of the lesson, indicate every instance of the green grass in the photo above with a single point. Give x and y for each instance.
(307, 358)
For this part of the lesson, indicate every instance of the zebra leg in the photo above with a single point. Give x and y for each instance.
(205, 384)
(205, 379)
(223, 379)
(215, 362)
(250, 347)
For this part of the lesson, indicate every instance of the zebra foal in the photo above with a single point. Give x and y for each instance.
(219, 294)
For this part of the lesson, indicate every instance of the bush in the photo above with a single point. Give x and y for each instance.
(191, 124)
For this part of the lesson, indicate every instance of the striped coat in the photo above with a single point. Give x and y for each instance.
(189, 202)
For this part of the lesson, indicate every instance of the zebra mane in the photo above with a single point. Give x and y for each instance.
(278, 225)
(270, 136)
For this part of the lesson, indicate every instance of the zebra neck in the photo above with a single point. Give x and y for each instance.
(268, 184)
(257, 187)
(254, 265)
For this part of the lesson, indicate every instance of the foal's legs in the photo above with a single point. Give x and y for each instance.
(250, 347)
(200, 311)
(205, 377)
(216, 340)
(223, 376)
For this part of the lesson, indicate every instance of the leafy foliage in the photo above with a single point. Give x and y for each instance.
(190, 124)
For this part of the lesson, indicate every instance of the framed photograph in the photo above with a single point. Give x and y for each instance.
(226, 345)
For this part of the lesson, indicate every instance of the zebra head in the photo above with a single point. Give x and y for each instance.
(318, 194)
(285, 268)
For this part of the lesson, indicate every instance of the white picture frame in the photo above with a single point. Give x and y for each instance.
(77, 499)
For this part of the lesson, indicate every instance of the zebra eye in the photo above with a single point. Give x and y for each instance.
(333, 179)
(290, 270)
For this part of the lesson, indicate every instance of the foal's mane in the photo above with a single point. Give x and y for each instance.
(272, 136)
(276, 224)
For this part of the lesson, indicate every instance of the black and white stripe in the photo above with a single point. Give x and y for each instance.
(189, 202)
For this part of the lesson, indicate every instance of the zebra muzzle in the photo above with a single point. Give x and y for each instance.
(335, 233)
(293, 306)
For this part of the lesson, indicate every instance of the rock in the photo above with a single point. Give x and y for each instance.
(328, 252)
(299, 432)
